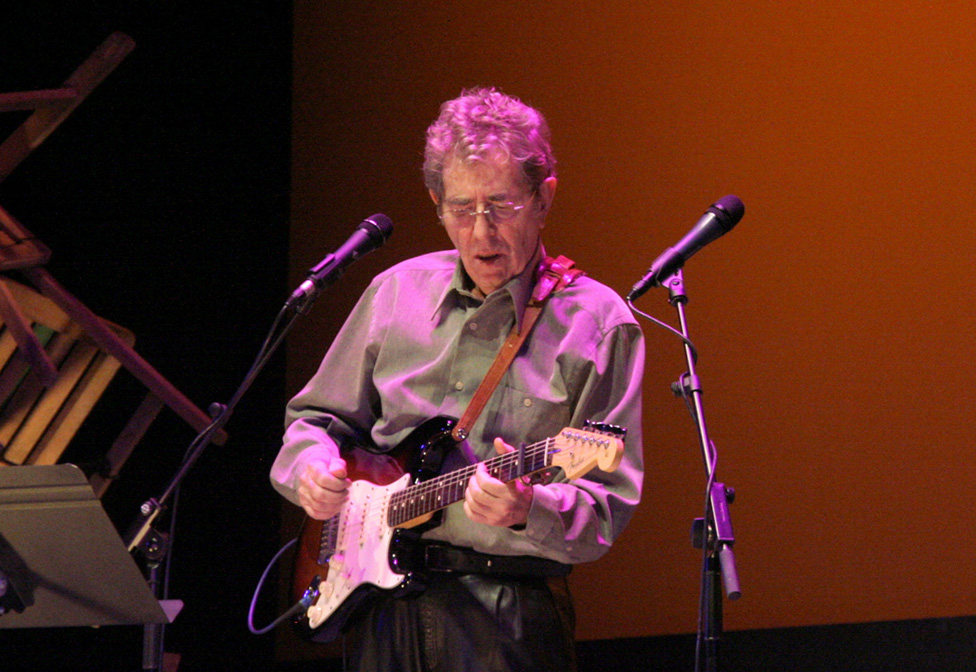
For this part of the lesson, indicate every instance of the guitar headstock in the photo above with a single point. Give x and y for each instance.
(581, 450)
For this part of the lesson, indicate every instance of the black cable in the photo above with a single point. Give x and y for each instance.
(296, 609)
(665, 325)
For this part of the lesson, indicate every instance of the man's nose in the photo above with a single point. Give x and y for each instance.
(483, 224)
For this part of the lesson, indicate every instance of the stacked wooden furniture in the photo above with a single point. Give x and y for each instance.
(56, 356)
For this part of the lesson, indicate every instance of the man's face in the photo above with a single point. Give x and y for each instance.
(493, 252)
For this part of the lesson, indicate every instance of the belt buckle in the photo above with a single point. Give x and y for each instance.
(435, 559)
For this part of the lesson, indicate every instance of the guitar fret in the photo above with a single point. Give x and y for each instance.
(428, 496)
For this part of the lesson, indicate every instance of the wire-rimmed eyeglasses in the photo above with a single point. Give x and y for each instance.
(496, 213)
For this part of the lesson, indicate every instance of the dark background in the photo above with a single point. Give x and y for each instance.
(164, 200)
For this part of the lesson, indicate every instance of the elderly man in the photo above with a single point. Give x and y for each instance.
(418, 345)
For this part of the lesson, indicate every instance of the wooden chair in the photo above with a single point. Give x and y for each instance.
(56, 356)
(40, 412)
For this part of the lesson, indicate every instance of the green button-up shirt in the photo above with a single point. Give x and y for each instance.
(418, 344)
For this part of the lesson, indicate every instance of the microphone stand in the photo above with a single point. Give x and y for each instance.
(156, 546)
(712, 533)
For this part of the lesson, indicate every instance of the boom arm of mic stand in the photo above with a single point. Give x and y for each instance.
(221, 413)
(141, 535)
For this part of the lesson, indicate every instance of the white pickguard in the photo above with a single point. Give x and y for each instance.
(362, 548)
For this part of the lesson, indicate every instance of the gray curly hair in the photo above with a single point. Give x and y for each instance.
(481, 123)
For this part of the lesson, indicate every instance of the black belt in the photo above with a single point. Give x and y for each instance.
(440, 557)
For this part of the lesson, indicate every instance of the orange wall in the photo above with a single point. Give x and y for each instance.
(834, 323)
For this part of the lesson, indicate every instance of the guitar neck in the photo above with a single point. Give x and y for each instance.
(437, 493)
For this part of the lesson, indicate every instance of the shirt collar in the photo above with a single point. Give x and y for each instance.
(518, 288)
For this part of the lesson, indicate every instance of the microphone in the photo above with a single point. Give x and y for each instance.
(718, 220)
(368, 236)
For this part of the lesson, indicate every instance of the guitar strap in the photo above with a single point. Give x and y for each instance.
(553, 275)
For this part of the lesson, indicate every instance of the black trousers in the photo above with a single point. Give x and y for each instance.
(470, 623)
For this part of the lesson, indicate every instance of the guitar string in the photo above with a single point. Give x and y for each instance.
(414, 495)
(410, 499)
(502, 466)
(446, 484)
(402, 505)
(418, 496)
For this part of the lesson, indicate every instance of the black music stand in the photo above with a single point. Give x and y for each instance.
(62, 563)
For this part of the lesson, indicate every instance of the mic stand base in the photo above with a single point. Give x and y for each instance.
(712, 626)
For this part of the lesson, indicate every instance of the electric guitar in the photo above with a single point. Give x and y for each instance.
(344, 560)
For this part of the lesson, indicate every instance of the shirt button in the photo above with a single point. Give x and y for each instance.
(459, 386)
(473, 326)
(526, 402)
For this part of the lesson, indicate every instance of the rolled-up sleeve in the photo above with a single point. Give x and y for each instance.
(335, 408)
(577, 521)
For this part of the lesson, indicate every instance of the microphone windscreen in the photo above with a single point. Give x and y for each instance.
(732, 209)
(378, 225)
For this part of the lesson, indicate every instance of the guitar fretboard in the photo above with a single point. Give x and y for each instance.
(437, 493)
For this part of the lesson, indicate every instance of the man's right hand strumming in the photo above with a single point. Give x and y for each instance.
(323, 487)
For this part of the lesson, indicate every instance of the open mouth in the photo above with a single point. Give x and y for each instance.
(489, 258)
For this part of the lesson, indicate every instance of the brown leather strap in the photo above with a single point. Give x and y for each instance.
(553, 276)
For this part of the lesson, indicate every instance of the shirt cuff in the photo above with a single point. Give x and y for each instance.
(539, 525)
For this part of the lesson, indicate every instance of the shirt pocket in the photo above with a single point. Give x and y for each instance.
(520, 417)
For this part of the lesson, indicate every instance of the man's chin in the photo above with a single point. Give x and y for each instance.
(489, 275)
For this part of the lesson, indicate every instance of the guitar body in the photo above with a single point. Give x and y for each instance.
(359, 552)
(345, 560)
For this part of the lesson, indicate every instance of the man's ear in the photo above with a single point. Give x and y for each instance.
(547, 192)
(433, 197)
